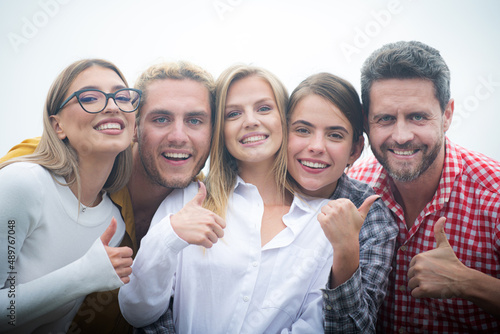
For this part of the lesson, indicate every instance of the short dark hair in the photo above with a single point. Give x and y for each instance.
(406, 60)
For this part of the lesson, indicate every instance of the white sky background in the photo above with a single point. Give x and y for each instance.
(293, 39)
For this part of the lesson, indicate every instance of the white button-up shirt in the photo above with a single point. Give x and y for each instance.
(237, 286)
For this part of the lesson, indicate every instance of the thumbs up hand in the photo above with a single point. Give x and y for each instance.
(197, 225)
(120, 257)
(436, 273)
(341, 221)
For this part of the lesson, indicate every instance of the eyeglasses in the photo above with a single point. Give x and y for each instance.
(94, 101)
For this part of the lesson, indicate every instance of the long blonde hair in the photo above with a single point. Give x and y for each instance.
(223, 168)
(57, 155)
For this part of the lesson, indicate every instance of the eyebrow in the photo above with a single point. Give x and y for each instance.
(115, 88)
(306, 123)
(266, 99)
(188, 114)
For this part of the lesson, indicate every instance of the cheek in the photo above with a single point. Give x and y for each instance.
(339, 153)
(295, 144)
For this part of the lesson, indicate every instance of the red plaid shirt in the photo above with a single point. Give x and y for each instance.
(469, 197)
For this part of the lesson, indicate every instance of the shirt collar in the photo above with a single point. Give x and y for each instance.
(452, 168)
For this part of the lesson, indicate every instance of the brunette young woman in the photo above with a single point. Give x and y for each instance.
(326, 137)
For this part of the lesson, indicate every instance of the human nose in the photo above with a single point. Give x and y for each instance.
(402, 133)
(316, 144)
(250, 119)
(177, 133)
(111, 106)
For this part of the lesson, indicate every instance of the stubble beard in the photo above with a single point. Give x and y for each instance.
(156, 177)
(405, 173)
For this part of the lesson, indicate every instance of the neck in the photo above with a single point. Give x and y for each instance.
(93, 175)
(415, 195)
(261, 176)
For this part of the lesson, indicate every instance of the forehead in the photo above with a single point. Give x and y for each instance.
(402, 94)
(320, 112)
(248, 89)
(99, 77)
(176, 97)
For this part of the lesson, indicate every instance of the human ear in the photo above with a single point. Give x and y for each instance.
(448, 114)
(56, 123)
(356, 150)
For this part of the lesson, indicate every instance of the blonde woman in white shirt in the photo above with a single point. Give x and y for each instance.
(58, 227)
(264, 257)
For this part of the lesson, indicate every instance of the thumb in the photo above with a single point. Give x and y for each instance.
(110, 231)
(367, 204)
(200, 196)
(439, 235)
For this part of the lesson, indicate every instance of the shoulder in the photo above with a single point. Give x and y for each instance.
(355, 190)
(482, 171)
(24, 148)
(24, 174)
(367, 170)
(23, 188)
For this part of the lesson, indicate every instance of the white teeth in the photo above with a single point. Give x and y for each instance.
(253, 139)
(404, 152)
(176, 155)
(313, 164)
(107, 126)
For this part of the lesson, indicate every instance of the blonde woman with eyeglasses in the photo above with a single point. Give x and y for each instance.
(58, 227)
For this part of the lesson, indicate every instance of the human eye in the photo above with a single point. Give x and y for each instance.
(385, 119)
(264, 109)
(90, 96)
(302, 131)
(232, 114)
(194, 121)
(418, 117)
(123, 96)
(160, 120)
(336, 136)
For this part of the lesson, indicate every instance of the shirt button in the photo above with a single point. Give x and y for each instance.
(328, 307)
(403, 248)
(401, 330)
(255, 263)
(246, 298)
(402, 288)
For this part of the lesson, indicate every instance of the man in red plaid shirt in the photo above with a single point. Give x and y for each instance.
(446, 199)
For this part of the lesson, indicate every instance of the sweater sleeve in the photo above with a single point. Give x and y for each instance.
(352, 307)
(20, 207)
(146, 297)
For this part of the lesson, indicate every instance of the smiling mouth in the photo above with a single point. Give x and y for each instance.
(315, 165)
(253, 139)
(108, 126)
(406, 153)
(176, 156)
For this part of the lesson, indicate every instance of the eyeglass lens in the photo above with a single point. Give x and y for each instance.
(95, 101)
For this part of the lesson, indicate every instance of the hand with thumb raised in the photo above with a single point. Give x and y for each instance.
(341, 220)
(366, 206)
(436, 273)
(197, 225)
(440, 235)
(120, 257)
